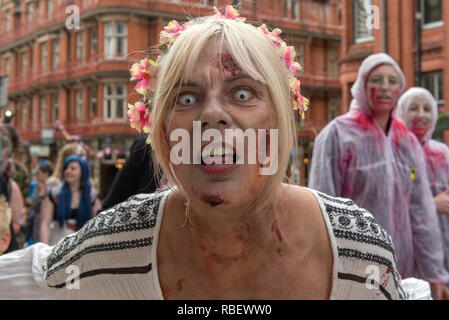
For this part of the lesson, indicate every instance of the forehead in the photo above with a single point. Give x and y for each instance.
(384, 70)
(419, 100)
(74, 164)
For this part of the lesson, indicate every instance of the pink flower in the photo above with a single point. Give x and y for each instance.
(289, 54)
(171, 32)
(139, 117)
(273, 36)
(230, 13)
(300, 103)
(143, 71)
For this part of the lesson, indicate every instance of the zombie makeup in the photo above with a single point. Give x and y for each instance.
(226, 64)
(419, 117)
(383, 87)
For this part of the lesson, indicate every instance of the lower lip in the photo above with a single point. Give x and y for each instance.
(221, 169)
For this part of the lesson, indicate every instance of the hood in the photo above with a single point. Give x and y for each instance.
(358, 90)
(407, 98)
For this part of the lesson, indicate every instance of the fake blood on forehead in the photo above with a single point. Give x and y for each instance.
(225, 63)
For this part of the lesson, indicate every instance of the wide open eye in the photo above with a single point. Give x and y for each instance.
(187, 99)
(242, 95)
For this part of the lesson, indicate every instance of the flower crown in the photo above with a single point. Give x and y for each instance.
(144, 71)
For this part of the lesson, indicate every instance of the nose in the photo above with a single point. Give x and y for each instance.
(385, 84)
(215, 115)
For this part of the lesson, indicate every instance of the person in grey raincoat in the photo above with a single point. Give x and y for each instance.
(369, 156)
(418, 109)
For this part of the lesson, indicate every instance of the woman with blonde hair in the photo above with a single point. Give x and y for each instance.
(229, 228)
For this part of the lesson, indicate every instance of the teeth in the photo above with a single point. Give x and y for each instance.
(217, 151)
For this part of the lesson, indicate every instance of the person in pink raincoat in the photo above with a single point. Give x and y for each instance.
(370, 156)
(418, 109)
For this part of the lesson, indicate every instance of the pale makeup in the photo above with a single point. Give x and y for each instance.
(419, 117)
(383, 89)
(221, 96)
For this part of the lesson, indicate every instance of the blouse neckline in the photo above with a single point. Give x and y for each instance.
(330, 233)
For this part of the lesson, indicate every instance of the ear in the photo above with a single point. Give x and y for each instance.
(4, 241)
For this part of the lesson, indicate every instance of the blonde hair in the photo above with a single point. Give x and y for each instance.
(68, 150)
(5, 216)
(253, 53)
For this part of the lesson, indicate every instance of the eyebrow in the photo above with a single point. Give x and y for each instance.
(240, 76)
(228, 80)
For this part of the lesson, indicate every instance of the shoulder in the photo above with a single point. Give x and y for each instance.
(439, 145)
(363, 246)
(125, 229)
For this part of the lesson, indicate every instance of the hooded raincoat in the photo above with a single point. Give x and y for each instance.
(436, 153)
(384, 173)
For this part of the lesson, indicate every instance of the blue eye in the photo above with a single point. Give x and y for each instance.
(242, 95)
(187, 99)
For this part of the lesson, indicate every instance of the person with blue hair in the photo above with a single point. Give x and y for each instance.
(70, 205)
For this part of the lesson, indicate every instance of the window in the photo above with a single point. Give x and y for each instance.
(8, 21)
(55, 53)
(362, 31)
(291, 9)
(79, 105)
(44, 110)
(299, 49)
(24, 114)
(3, 91)
(93, 101)
(114, 101)
(44, 56)
(295, 9)
(115, 39)
(333, 61)
(54, 107)
(7, 66)
(93, 35)
(433, 81)
(431, 12)
(50, 9)
(79, 46)
(24, 63)
(30, 12)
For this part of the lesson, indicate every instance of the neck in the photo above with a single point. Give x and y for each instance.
(383, 119)
(74, 186)
(232, 235)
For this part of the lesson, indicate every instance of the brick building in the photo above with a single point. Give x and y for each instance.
(53, 70)
(414, 32)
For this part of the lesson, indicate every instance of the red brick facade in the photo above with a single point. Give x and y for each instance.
(401, 43)
(94, 68)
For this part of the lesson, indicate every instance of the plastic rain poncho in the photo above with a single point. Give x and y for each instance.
(436, 153)
(386, 174)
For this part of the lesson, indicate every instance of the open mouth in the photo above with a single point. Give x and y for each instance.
(218, 155)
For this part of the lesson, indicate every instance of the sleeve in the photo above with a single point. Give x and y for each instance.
(427, 243)
(125, 184)
(325, 174)
(22, 274)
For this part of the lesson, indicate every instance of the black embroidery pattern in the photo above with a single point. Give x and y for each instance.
(139, 212)
(104, 247)
(351, 253)
(350, 222)
(364, 239)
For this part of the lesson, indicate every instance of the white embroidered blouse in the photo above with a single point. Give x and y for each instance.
(114, 255)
